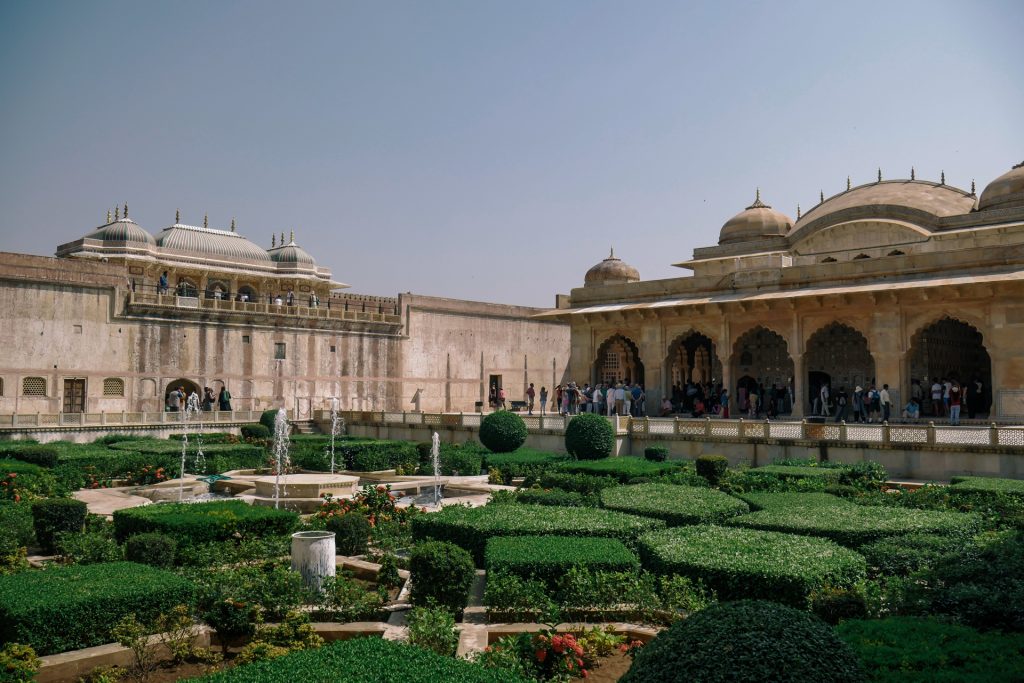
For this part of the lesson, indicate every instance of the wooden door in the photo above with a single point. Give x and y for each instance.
(74, 396)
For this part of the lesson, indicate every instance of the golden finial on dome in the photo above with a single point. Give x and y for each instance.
(126, 209)
(232, 225)
(972, 187)
(912, 174)
(177, 216)
(282, 238)
(847, 183)
(273, 240)
(879, 174)
(292, 240)
(942, 178)
(206, 220)
(108, 215)
(117, 213)
(758, 204)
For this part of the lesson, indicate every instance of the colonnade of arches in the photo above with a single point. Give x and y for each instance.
(837, 355)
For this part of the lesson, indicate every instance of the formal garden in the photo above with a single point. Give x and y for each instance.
(579, 565)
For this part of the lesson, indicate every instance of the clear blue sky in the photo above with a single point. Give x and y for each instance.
(488, 150)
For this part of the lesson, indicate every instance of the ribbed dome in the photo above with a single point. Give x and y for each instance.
(611, 271)
(121, 230)
(755, 222)
(891, 198)
(1006, 190)
(207, 242)
(291, 253)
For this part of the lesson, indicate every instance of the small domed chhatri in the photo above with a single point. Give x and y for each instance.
(757, 221)
(121, 229)
(611, 271)
(291, 253)
(1006, 191)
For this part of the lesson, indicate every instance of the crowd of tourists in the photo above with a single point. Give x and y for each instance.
(178, 399)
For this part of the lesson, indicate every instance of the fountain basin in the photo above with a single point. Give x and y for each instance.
(304, 492)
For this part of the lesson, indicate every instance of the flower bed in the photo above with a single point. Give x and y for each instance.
(548, 558)
(987, 485)
(743, 563)
(471, 527)
(622, 468)
(821, 514)
(364, 660)
(192, 523)
(677, 505)
(69, 608)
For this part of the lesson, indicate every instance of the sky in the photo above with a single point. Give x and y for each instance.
(486, 150)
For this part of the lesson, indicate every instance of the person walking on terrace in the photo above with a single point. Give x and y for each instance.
(530, 394)
(224, 398)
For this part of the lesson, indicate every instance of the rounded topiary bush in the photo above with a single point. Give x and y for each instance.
(656, 453)
(766, 642)
(712, 467)
(154, 549)
(351, 533)
(267, 419)
(442, 573)
(256, 431)
(502, 431)
(51, 516)
(589, 437)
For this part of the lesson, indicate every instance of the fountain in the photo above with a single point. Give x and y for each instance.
(337, 427)
(435, 460)
(281, 461)
(190, 411)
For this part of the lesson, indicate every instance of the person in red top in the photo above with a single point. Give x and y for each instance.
(530, 393)
(955, 396)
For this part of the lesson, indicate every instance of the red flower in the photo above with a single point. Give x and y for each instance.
(542, 655)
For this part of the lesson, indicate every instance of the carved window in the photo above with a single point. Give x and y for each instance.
(1, 386)
(33, 386)
(279, 350)
(113, 386)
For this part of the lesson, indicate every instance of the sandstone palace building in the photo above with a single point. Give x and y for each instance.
(894, 281)
(890, 282)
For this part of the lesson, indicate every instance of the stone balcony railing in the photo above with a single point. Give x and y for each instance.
(146, 302)
(966, 437)
(23, 421)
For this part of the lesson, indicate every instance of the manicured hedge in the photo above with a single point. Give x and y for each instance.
(68, 608)
(219, 457)
(357, 455)
(750, 641)
(525, 462)
(987, 485)
(743, 563)
(192, 523)
(548, 558)
(363, 660)
(16, 528)
(502, 431)
(924, 650)
(589, 436)
(37, 454)
(821, 514)
(677, 505)
(622, 468)
(585, 484)
(555, 497)
(470, 528)
(799, 472)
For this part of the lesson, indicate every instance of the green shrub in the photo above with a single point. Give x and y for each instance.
(18, 663)
(923, 650)
(589, 436)
(24, 481)
(510, 597)
(656, 453)
(866, 474)
(526, 463)
(442, 574)
(153, 549)
(91, 547)
(192, 523)
(51, 516)
(819, 514)
(268, 419)
(555, 497)
(834, 605)
(363, 660)
(256, 431)
(116, 437)
(36, 454)
(68, 608)
(232, 620)
(764, 642)
(742, 563)
(219, 457)
(16, 529)
(502, 431)
(712, 467)
(357, 455)
(433, 629)
(623, 469)
(470, 528)
(677, 505)
(548, 558)
(457, 459)
(799, 472)
(584, 484)
(902, 555)
(987, 485)
(351, 533)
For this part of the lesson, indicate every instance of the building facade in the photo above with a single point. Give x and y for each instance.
(897, 282)
(121, 316)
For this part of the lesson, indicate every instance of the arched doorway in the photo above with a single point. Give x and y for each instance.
(187, 287)
(188, 385)
(954, 350)
(761, 357)
(837, 355)
(693, 368)
(247, 294)
(618, 360)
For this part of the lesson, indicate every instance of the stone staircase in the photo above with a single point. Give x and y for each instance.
(305, 427)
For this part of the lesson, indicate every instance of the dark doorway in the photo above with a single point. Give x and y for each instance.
(74, 395)
(815, 379)
(494, 386)
(744, 386)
